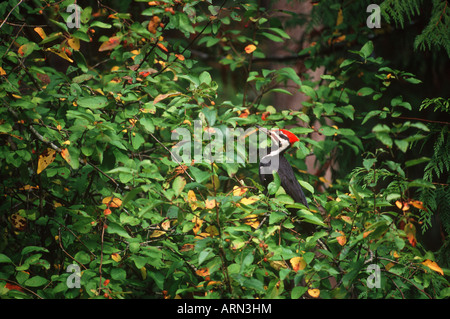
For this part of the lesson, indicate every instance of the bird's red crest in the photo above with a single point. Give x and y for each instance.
(292, 138)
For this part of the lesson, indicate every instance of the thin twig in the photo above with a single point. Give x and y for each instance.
(173, 156)
(62, 248)
(22, 287)
(18, 3)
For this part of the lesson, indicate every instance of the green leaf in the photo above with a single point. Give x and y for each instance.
(402, 145)
(298, 291)
(308, 91)
(118, 274)
(147, 123)
(307, 186)
(346, 63)
(114, 228)
(178, 185)
(367, 49)
(273, 186)
(365, 91)
(35, 281)
(255, 284)
(93, 102)
(30, 249)
(4, 259)
(204, 254)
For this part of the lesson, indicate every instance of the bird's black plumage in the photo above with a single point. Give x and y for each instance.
(274, 161)
(287, 177)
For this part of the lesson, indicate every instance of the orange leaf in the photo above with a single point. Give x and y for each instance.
(13, 287)
(107, 212)
(41, 32)
(298, 263)
(250, 48)
(410, 231)
(203, 272)
(112, 201)
(342, 240)
(417, 204)
(153, 24)
(110, 44)
(45, 159)
(162, 47)
(2, 72)
(164, 96)
(314, 293)
(433, 266)
(180, 57)
(367, 233)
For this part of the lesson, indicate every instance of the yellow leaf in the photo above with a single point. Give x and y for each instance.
(212, 230)
(198, 224)
(210, 203)
(191, 198)
(41, 32)
(61, 54)
(252, 220)
(74, 43)
(143, 273)
(277, 264)
(433, 266)
(45, 159)
(239, 191)
(65, 154)
(298, 263)
(165, 224)
(314, 293)
(250, 48)
(347, 219)
(340, 17)
(112, 201)
(157, 233)
(116, 257)
(249, 201)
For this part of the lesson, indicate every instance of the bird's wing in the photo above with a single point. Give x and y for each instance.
(290, 183)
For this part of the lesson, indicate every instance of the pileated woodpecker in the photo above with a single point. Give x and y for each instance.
(275, 161)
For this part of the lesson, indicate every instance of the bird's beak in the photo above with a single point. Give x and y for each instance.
(271, 134)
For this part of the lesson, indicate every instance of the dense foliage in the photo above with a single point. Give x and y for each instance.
(88, 119)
